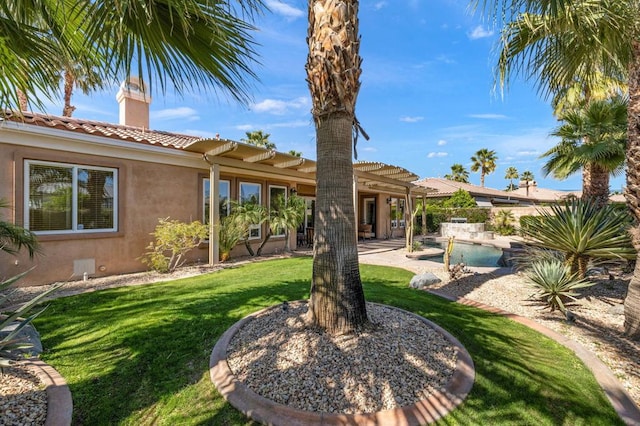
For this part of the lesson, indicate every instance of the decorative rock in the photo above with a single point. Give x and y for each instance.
(424, 280)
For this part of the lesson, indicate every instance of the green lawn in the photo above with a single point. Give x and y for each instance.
(139, 355)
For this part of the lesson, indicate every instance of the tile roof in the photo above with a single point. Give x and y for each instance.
(109, 130)
(447, 187)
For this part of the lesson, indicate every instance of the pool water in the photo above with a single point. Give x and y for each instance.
(469, 254)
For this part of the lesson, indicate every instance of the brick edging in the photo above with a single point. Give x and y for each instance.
(266, 411)
(613, 389)
(59, 402)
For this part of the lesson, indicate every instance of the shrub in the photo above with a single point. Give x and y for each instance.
(173, 240)
(229, 234)
(555, 282)
(460, 198)
(583, 232)
(503, 222)
(11, 343)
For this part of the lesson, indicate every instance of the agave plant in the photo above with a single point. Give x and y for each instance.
(583, 233)
(555, 282)
(12, 343)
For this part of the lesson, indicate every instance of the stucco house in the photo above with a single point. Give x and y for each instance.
(94, 191)
(485, 197)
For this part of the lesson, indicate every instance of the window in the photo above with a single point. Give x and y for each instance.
(250, 193)
(397, 212)
(66, 198)
(224, 201)
(277, 201)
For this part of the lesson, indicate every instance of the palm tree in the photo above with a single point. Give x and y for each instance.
(336, 303)
(527, 177)
(593, 139)
(295, 153)
(511, 174)
(13, 237)
(458, 174)
(484, 161)
(600, 36)
(186, 44)
(259, 138)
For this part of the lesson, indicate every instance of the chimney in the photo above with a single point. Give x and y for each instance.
(134, 103)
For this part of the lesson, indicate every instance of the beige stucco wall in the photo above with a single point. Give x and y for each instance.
(147, 192)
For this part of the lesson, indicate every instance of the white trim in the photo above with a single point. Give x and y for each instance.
(74, 196)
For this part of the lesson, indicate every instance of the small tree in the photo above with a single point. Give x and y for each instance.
(503, 222)
(248, 216)
(173, 240)
(460, 198)
(228, 236)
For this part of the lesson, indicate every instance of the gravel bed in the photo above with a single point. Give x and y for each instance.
(23, 399)
(400, 362)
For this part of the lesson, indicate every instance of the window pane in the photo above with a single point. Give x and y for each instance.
(224, 198)
(249, 193)
(95, 199)
(206, 196)
(277, 202)
(50, 198)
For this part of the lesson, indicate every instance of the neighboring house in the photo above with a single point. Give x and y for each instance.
(485, 197)
(94, 191)
(543, 195)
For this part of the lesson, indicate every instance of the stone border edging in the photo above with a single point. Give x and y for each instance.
(59, 402)
(627, 410)
(268, 412)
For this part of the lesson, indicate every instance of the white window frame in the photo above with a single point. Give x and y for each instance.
(284, 189)
(74, 197)
(255, 231)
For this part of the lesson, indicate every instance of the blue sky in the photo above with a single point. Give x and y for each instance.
(426, 98)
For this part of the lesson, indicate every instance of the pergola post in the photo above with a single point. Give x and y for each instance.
(214, 213)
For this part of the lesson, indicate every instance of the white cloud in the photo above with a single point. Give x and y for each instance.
(380, 5)
(278, 107)
(479, 32)
(369, 149)
(489, 116)
(246, 127)
(284, 9)
(442, 142)
(411, 119)
(436, 154)
(180, 113)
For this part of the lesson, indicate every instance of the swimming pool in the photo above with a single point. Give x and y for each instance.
(469, 254)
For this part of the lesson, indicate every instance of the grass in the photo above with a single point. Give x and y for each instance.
(139, 355)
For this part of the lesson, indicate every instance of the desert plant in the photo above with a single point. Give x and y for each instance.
(11, 343)
(555, 282)
(503, 222)
(229, 235)
(173, 240)
(582, 232)
(416, 246)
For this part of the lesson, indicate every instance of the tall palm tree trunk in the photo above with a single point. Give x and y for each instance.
(336, 303)
(632, 191)
(595, 184)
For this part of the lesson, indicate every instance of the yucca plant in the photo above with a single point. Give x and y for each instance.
(554, 281)
(12, 343)
(583, 233)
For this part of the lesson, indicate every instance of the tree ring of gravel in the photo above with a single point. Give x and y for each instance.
(253, 366)
(57, 406)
